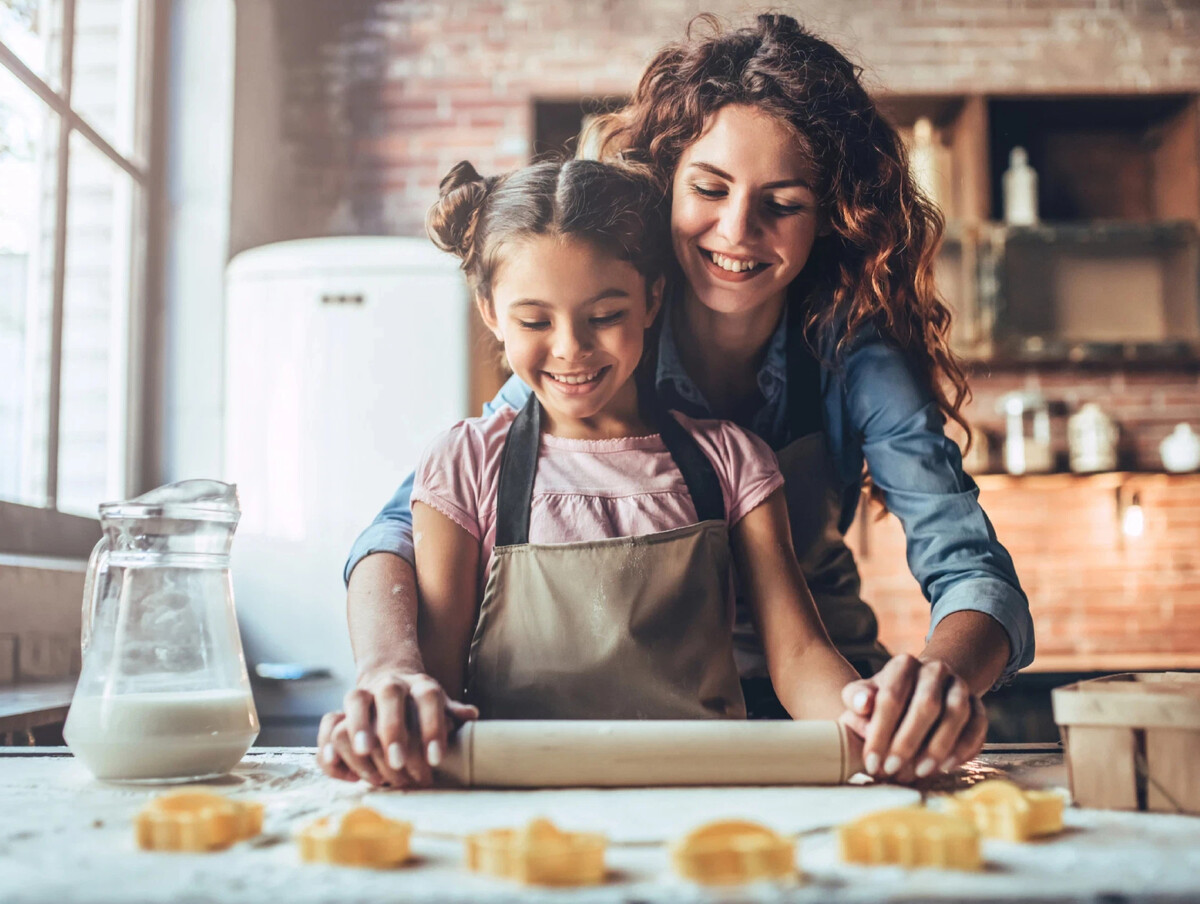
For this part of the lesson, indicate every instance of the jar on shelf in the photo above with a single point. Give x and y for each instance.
(1092, 440)
(1181, 450)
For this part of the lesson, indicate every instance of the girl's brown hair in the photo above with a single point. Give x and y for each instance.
(878, 258)
(617, 208)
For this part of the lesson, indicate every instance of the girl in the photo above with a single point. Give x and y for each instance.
(807, 313)
(573, 557)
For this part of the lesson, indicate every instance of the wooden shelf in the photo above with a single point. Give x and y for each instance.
(1114, 273)
(1115, 662)
(1122, 157)
(1107, 480)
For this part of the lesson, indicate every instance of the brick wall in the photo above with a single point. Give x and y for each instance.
(378, 99)
(1100, 600)
(372, 101)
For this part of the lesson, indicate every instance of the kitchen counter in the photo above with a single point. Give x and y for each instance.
(31, 704)
(65, 836)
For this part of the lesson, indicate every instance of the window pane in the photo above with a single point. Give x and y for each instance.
(105, 70)
(28, 172)
(92, 415)
(32, 29)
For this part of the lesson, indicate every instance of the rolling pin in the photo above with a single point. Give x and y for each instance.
(561, 754)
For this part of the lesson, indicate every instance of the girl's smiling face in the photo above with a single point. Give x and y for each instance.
(743, 210)
(572, 319)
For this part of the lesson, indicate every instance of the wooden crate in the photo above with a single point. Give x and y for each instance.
(1133, 741)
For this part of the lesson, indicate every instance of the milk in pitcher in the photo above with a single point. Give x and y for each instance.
(162, 736)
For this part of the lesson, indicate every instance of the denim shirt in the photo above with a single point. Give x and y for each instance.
(875, 409)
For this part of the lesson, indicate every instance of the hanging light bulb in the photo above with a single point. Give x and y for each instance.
(1133, 519)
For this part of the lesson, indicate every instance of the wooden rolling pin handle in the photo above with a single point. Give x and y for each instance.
(545, 754)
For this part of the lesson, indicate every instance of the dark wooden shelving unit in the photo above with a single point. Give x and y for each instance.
(1112, 274)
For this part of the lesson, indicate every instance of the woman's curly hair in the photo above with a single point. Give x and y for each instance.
(878, 259)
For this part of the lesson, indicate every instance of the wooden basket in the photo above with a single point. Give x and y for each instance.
(1133, 741)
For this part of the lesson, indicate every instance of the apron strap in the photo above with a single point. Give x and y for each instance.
(518, 468)
(803, 380)
(698, 472)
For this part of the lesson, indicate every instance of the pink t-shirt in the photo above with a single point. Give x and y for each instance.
(590, 489)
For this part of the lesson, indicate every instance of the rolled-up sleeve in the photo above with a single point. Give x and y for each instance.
(392, 531)
(952, 548)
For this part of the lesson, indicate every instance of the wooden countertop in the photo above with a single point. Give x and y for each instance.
(65, 836)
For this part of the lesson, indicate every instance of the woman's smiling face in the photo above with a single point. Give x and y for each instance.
(743, 210)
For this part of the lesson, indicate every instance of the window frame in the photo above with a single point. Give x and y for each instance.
(30, 530)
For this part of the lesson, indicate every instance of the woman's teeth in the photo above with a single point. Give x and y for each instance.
(574, 379)
(733, 265)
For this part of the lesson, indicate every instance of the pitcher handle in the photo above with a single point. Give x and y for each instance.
(97, 564)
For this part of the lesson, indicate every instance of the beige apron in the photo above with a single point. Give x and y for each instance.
(815, 496)
(622, 628)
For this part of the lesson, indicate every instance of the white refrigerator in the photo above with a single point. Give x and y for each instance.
(344, 357)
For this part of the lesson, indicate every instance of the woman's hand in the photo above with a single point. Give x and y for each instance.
(393, 730)
(915, 718)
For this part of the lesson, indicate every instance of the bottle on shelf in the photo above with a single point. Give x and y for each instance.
(1027, 447)
(921, 160)
(1020, 190)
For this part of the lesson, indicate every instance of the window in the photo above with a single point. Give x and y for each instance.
(74, 205)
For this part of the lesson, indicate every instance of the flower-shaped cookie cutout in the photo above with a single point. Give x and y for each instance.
(539, 854)
(361, 837)
(1002, 810)
(912, 837)
(196, 821)
(732, 852)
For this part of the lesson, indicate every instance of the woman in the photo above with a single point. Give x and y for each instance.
(805, 311)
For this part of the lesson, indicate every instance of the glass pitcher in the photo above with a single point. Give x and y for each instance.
(163, 693)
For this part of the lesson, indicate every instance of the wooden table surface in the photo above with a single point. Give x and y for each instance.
(67, 837)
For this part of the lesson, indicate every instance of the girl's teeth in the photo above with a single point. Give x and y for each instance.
(574, 380)
(732, 265)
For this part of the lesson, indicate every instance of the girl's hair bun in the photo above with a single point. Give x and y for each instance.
(452, 220)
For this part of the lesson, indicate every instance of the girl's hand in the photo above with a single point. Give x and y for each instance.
(394, 729)
(915, 718)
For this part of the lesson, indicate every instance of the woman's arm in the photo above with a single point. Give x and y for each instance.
(374, 737)
(806, 669)
(922, 713)
(951, 546)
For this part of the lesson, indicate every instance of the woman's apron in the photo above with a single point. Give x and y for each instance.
(816, 495)
(621, 628)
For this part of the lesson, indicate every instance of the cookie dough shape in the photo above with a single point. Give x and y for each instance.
(1004, 811)
(732, 852)
(539, 854)
(196, 821)
(361, 837)
(911, 837)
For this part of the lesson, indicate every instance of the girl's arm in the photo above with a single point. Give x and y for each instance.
(807, 671)
(447, 587)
